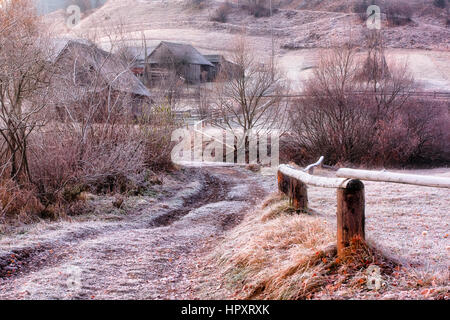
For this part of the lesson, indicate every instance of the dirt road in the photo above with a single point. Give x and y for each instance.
(149, 256)
(158, 252)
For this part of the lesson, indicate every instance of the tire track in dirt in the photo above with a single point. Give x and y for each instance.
(151, 259)
(213, 190)
(21, 261)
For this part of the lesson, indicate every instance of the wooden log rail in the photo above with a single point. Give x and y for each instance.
(350, 194)
(350, 200)
(414, 179)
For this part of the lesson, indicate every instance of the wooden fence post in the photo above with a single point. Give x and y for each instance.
(295, 190)
(350, 214)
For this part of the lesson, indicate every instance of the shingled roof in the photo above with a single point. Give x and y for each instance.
(214, 58)
(111, 69)
(58, 45)
(182, 52)
(138, 53)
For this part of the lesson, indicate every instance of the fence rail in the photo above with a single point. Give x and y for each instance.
(414, 179)
(443, 95)
(350, 212)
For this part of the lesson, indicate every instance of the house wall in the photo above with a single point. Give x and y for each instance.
(213, 71)
(162, 55)
(192, 73)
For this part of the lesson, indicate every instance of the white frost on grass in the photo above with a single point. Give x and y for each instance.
(136, 260)
(409, 223)
(207, 220)
(201, 164)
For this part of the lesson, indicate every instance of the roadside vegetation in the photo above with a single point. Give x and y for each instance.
(221, 13)
(277, 253)
(61, 138)
(363, 112)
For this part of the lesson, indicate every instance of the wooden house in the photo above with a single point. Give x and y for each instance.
(217, 61)
(137, 58)
(183, 59)
(100, 73)
(220, 63)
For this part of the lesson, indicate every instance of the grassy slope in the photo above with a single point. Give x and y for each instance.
(278, 254)
(306, 29)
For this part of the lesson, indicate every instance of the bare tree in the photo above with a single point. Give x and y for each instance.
(203, 103)
(24, 78)
(73, 117)
(342, 114)
(249, 94)
(328, 120)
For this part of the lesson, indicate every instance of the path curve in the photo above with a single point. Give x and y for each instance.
(151, 257)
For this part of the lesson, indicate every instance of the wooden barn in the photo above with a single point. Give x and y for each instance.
(220, 63)
(217, 61)
(136, 57)
(184, 59)
(101, 73)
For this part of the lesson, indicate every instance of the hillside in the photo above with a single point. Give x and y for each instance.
(299, 28)
(186, 175)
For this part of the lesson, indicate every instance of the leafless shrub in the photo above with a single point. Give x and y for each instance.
(73, 119)
(156, 130)
(417, 135)
(300, 262)
(54, 160)
(332, 122)
(109, 160)
(112, 158)
(196, 4)
(398, 13)
(249, 95)
(375, 67)
(221, 13)
(442, 4)
(258, 8)
(168, 89)
(373, 121)
(360, 9)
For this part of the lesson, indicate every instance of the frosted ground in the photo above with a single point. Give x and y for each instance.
(152, 251)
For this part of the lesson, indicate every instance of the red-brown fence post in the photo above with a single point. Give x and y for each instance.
(350, 214)
(295, 190)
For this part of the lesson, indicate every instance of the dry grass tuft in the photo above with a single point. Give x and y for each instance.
(279, 254)
(278, 209)
(18, 204)
(259, 254)
(273, 198)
